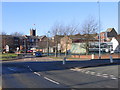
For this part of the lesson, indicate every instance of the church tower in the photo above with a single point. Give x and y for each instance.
(32, 32)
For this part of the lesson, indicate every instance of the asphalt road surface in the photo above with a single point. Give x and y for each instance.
(52, 74)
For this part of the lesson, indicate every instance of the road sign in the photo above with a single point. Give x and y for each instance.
(17, 48)
(7, 48)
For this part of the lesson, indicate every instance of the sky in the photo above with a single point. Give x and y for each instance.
(21, 16)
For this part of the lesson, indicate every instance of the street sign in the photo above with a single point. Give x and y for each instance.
(7, 48)
(17, 48)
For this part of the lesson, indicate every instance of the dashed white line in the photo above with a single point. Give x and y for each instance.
(31, 69)
(87, 72)
(105, 75)
(92, 73)
(83, 70)
(37, 73)
(98, 74)
(112, 77)
(51, 80)
(11, 69)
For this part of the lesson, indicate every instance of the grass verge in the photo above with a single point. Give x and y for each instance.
(7, 56)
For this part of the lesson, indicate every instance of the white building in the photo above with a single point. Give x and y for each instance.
(116, 44)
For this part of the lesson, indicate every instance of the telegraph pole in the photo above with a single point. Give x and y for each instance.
(48, 43)
(99, 30)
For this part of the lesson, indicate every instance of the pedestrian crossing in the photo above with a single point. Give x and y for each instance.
(104, 75)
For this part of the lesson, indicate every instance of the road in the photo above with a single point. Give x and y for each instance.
(52, 74)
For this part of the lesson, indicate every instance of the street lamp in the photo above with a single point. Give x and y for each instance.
(99, 30)
(48, 43)
(25, 44)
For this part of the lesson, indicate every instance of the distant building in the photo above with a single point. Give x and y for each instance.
(32, 32)
(69, 43)
(12, 41)
(23, 42)
(107, 35)
(30, 41)
(116, 43)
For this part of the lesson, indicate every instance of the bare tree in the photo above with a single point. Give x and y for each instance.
(57, 29)
(57, 32)
(89, 30)
(16, 34)
(3, 33)
(65, 31)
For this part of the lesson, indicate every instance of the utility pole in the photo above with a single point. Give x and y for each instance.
(48, 43)
(99, 31)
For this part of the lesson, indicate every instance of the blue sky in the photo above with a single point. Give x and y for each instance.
(20, 16)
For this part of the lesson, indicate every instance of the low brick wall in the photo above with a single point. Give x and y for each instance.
(104, 56)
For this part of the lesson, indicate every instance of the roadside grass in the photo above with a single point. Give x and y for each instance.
(7, 56)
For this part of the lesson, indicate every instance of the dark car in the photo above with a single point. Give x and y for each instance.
(38, 54)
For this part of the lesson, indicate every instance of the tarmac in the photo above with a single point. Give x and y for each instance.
(70, 63)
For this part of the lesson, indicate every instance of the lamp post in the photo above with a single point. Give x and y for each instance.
(25, 44)
(99, 31)
(48, 43)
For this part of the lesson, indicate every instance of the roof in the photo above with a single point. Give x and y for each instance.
(110, 29)
(82, 38)
(40, 37)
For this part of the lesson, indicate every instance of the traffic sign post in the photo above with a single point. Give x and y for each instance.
(17, 49)
(64, 60)
(111, 59)
(7, 48)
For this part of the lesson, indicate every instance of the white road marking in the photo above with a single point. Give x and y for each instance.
(98, 74)
(37, 73)
(112, 77)
(76, 69)
(87, 72)
(79, 69)
(83, 70)
(11, 69)
(30, 69)
(105, 75)
(92, 73)
(73, 69)
(51, 80)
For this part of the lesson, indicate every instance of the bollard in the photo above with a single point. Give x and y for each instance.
(111, 59)
(64, 60)
(92, 56)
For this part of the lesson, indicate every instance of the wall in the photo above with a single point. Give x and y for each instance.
(105, 56)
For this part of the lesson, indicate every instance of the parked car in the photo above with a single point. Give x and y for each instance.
(38, 54)
(29, 51)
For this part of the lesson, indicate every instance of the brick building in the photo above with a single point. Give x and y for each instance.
(107, 35)
(11, 41)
